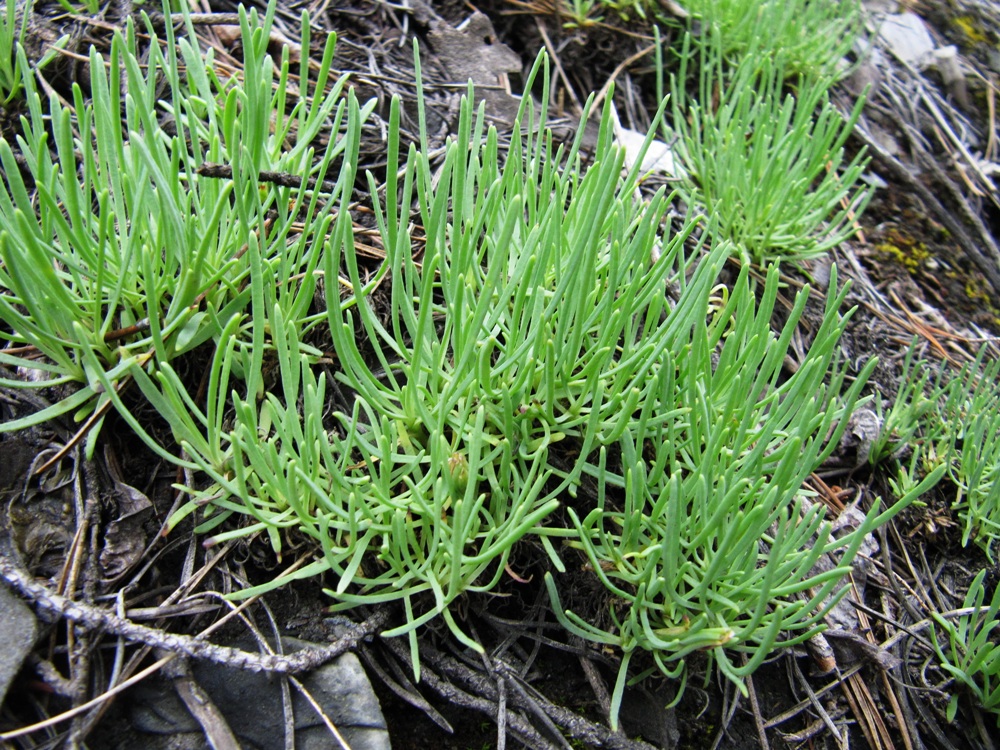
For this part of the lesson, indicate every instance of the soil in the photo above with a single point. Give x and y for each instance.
(917, 266)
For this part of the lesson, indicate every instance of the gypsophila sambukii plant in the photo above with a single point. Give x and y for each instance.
(965, 643)
(951, 420)
(706, 538)
(901, 424)
(532, 324)
(11, 33)
(549, 335)
(133, 257)
(768, 167)
(534, 339)
(970, 448)
(13, 61)
(804, 37)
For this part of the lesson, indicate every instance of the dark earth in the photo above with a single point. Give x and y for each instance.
(924, 264)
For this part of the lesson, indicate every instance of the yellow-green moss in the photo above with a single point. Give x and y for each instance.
(905, 250)
(971, 29)
(977, 291)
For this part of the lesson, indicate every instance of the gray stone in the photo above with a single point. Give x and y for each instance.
(472, 52)
(907, 36)
(17, 637)
(252, 705)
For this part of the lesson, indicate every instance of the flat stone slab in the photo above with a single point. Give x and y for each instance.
(18, 630)
(252, 706)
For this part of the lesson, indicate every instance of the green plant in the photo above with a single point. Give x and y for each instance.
(970, 655)
(970, 448)
(706, 539)
(575, 14)
(92, 7)
(132, 258)
(807, 38)
(11, 33)
(544, 334)
(532, 350)
(768, 168)
(953, 421)
(581, 13)
(532, 322)
(903, 422)
(13, 63)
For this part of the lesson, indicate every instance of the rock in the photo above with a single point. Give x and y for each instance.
(946, 59)
(659, 157)
(252, 705)
(906, 35)
(863, 428)
(867, 75)
(17, 637)
(473, 52)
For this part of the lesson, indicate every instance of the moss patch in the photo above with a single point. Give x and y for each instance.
(905, 250)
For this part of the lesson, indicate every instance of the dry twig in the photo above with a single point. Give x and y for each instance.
(96, 618)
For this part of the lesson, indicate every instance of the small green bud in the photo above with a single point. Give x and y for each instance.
(458, 471)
